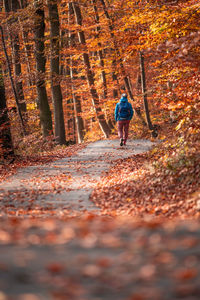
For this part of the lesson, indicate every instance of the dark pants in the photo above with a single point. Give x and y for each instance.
(123, 127)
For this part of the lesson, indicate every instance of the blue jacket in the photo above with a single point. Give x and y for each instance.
(123, 100)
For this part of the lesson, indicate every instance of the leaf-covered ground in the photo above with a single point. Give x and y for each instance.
(134, 187)
(137, 248)
(8, 168)
(63, 186)
(95, 257)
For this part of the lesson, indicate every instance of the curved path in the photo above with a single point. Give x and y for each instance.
(66, 184)
(90, 257)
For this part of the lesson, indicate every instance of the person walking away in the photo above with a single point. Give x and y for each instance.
(123, 115)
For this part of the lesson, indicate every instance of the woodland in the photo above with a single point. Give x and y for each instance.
(63, 67)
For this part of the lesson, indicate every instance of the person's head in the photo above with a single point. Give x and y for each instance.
(124, 95)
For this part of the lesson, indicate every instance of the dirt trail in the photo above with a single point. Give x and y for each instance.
(89, 257)
(66, 184)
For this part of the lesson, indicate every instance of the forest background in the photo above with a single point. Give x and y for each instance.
(64, 65)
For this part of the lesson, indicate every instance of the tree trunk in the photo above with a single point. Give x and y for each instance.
(27, 49)
(59, 124)
(78, 118)
(45, 113)
(100, 52)
(114, 71)
(14, 37)
(17, 64)
(90, 77)
(126, 79)
(144, 91)
(5, 134)
(114, 74)
(64, 43)
(101, 60)
(12, 84)
(26, 45)
(71, 123)
(73, 72)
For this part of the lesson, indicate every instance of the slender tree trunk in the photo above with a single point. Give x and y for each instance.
(27, 50)
(65, 70)
(45, 113)
(101, 60)
(126, 79)
(27, 47)
(90, 77)
(76, 98)
(18, 73)
(55, 72)
(9, 6)
(71, 123)
(78, 118)
(114, 67)
(114, 74)
(17, 63)
(64, 44)
(23, 3)
(138, 81)
(144, 91)
(12, 83)
(5, 134)
(100, 52)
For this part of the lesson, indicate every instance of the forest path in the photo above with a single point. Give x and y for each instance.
(90, 257)
(66, 184)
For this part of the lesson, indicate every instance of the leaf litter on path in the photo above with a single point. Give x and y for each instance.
(63, 182)
(96, 257)
(127, 253)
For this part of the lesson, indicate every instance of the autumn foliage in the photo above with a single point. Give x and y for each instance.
(166, 31)
(98, 45)
(63, 67)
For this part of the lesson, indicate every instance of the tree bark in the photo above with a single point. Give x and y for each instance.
(12, 84)
(101, 60)
(9, 6)
(90, 77)
(73, 72)
(27, 49)
(114, 71)
(126, 79)
(6, 144)
(144, 91)
(26, 45)
(59, 125)
(78, 118)
(71, 122)
(45, 113)
(100, 52)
